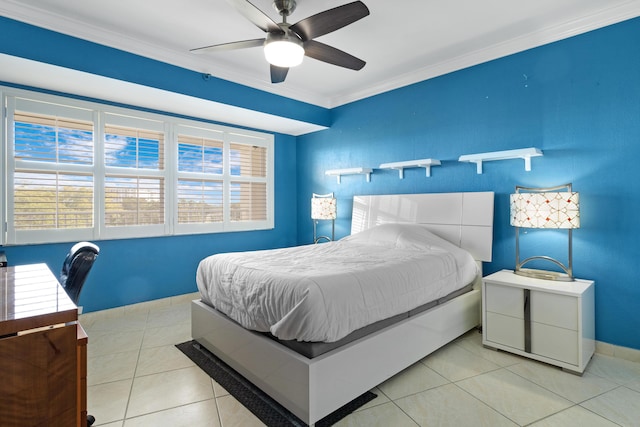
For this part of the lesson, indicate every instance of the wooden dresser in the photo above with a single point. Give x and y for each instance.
(43, 351)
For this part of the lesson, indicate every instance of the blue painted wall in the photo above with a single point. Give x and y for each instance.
(578, 100)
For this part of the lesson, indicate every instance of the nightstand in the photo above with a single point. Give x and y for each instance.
(545, 320)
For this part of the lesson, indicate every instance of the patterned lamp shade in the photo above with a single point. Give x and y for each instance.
(323, 208)
(545, 210)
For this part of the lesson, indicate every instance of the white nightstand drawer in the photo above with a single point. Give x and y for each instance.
(555, 343)
(554, 309)
(556, 325)
(504, 300)
(504, 330)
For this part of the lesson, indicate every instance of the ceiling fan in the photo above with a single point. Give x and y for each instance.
(286, 44)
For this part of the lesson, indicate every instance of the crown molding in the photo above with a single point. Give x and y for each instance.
(14, 9)
(531, 40)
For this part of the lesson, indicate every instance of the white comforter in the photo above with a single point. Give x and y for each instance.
(323, 292)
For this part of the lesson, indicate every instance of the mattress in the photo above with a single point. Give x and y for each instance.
(315, 349)
(322, 293)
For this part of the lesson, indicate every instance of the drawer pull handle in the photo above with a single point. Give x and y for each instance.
(527, 320)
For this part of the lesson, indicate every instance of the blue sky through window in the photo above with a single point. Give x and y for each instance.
(132, 152)
(44, 143)
(196, 158)
(50, 144)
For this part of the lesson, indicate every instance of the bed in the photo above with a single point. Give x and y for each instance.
(313, 386)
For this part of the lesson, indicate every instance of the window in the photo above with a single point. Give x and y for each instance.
(134, 175)
(222, 179)
(200, 189)
(51, 190)
(248, 182)
(80, 170)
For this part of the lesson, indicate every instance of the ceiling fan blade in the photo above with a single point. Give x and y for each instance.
(330, 20)
(326, 53)
(229, 46)
(278, 74)
(255, 15)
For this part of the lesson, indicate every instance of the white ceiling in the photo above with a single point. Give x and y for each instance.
(403, 42)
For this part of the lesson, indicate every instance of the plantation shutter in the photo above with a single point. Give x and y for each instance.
(248, 196)
(76, 170)
(134, 183)
(200, 191)
(53, 169)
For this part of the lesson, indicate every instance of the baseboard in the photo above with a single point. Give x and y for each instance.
(137, 308)
(603, 348)
(620, 352)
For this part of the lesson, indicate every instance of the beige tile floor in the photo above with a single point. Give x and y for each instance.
(138, 378)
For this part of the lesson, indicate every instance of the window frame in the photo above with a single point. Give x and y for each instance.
(103, 115)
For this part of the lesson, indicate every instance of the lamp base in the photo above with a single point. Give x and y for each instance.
(544, 274)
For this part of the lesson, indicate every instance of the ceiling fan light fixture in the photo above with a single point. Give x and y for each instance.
(283, 51)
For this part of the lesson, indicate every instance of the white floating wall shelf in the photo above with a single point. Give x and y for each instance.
(351, 171)
(401, 166)
(522, 153)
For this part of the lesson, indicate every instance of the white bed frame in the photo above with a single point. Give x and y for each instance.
(314, 388)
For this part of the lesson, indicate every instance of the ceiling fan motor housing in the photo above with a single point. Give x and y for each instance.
(284, 7)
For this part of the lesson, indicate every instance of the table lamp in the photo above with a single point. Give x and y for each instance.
(545, 208)
(323, 208)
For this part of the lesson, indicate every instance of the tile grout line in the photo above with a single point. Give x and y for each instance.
(135, 370)
(595, 413)
(485, 403)
(458, 343)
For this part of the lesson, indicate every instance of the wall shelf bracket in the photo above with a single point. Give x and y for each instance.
(400, 166)
(351, 171)
(522, 153)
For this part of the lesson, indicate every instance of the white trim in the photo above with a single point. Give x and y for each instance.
(618, 351)
(3, 166)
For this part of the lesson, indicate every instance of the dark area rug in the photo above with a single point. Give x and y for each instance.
(259, 403)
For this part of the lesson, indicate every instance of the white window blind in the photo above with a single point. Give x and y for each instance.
(79, 170)
(133, 148)
(248, 168)
(200, 189)
(248, 201)
(52, 139)
(200, 202)
(53, 184)
(44, 200)
(134, 183)
(200, 154)
(223, 179)
(133, 201)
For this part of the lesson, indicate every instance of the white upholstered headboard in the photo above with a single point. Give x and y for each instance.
(465, 219)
